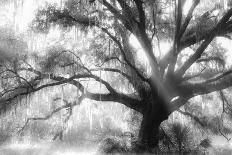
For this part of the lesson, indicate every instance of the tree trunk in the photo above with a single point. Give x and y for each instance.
(149, 129)
(149, 134)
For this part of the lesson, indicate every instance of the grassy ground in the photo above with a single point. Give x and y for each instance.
(220, 147)
(46, 149)
(62, 149)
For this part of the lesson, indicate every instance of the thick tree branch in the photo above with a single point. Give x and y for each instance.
(190, 90)
(196, 55)
(208, 86)
(177, 103)
(188, 18)
(127, 12)
(178, 15)
(142, 18)
(221, 24)
(129, 101)
(219, 76)
(178, 21)
(116, 13)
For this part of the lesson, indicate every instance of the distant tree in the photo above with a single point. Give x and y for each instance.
(159, 88)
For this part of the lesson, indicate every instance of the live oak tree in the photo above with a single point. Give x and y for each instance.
(160, 88)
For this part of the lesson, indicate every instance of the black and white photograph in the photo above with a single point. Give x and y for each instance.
(120, 77)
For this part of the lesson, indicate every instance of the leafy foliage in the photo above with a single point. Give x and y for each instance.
(176, 137)
(205, 143)
(50, 15)
(112, 145)
(180, 135)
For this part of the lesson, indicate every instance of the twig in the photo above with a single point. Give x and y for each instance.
(227, 138)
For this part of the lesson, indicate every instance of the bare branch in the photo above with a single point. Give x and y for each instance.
(195, 118)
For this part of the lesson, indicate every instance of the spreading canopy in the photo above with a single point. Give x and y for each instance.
(112, 24)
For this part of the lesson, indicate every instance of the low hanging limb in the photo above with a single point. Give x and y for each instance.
(61, 132)
(125, 99)
(67, 105)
